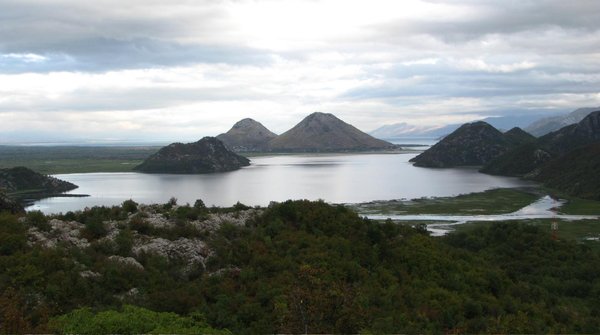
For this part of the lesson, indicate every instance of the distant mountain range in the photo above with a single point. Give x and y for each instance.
(400, 130)
(530, 123)
(547, 125)
(566, 159)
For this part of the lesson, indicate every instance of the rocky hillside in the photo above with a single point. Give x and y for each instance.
(570, 137)
(472, 144)
(247, 135)
(323, 132)
(527, 159)
(151, 231)
(575, 173)
(518, 161)
(9, 205)
(518, 136)
(208, 155)
(550, 124)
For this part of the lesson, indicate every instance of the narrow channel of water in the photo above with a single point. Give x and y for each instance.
(544, 208)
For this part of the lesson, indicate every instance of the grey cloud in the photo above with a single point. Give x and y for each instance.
(100, 54)
(443, 81)
(81, 36)
(86, 100)
(504, 18)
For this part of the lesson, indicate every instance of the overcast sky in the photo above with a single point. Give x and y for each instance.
(181, 70)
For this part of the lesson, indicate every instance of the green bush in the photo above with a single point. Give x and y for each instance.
(12, 235)
(129, 206)
(199, 204)
(124, 242)
(94, 228)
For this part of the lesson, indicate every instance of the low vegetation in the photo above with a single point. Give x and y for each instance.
(130, 320)
(577, 206)
(584, 232)
(294, 267)
(495, 201)
(68, 159)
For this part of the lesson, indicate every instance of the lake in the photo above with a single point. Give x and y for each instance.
(335, 178)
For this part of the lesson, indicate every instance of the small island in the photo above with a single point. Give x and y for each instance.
(208, 155)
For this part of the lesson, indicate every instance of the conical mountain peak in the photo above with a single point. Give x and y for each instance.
(325, 132)
(247, 135)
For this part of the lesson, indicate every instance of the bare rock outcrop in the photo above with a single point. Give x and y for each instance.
(66, 232)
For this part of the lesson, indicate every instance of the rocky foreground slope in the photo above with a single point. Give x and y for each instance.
(9, 205)
(208, 155)
(148, 230)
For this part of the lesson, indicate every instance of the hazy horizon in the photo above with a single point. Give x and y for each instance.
(140, 71)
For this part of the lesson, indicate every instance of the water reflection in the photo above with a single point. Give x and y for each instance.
(336, 178)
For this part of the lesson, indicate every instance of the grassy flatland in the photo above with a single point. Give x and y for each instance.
(496, 201)
(73, 159)
(86, 159)
(576, 206)
(581, 207)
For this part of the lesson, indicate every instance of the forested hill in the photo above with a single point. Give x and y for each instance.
(22, 179)
(563, 159)
(294, 267)
(575, 173)
(21, 185)
(473, 144)
(207, 155)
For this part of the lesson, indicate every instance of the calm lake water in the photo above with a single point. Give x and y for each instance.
(339, 178)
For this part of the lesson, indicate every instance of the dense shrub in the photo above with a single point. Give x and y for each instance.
(301, 267)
